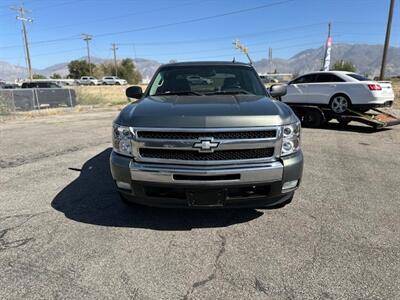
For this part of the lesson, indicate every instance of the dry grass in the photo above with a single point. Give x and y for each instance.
(102, 95)
(25, 115)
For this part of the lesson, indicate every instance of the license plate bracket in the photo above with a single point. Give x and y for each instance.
(206, 198)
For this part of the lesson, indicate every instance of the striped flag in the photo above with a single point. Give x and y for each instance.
(327, 59)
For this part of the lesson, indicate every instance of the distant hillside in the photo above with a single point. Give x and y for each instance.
(146, 67)
(11, 72)
(367, 59)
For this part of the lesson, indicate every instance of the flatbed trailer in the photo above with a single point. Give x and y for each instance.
(315, 116)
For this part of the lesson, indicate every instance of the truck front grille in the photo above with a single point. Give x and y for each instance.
(214, 146)
(223, 135)
(214, 156)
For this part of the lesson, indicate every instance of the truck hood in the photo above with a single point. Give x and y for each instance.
(206, 112)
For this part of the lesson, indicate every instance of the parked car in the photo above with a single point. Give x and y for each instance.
(40, 84)
(339, 90)
(226, 144)
(89, 80)
(8, 86)
(113, 80)
(34, 94)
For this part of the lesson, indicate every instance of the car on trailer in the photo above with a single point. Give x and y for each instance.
(339, 91)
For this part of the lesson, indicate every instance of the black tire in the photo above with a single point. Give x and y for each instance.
(312, 118)
(117, 83)
(339, 103)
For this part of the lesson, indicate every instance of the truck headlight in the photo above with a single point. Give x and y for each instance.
(291, 138)
(122, 139)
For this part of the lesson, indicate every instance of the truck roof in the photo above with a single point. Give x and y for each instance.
(206, 63)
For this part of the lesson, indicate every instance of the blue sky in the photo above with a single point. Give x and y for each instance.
(206, 32)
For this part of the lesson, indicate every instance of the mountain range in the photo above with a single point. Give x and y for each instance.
(366, 58)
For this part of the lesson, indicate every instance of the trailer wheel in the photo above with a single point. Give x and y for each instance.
(312, 118)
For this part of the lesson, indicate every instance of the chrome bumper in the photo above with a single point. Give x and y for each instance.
(209, 176)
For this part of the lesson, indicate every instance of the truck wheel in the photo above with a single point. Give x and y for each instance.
(312, 118)
(339, 103)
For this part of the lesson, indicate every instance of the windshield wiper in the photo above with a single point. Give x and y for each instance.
(179, 93)
(235, 92)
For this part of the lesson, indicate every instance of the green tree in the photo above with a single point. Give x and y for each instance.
(38, 76)
(126, 70)
(55, 76)
(79, 68)
(342, 65)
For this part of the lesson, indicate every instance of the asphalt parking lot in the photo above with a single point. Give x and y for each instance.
(65, 234)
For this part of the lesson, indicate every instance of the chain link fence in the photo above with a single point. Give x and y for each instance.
(12, 100)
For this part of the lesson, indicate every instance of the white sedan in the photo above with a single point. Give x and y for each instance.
(339, 90)
(113, 80)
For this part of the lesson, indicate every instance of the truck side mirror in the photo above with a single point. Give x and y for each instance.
(134, 92)
(278, 90)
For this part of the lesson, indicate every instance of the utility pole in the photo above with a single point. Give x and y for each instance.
(22, 17)
(87, 38)
(387, 40)
(242, 49)
(270, 59)
(114, 49)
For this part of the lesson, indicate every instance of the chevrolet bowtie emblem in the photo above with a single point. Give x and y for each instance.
(206, 145)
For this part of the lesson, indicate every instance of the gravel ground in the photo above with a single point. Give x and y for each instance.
(64, 233)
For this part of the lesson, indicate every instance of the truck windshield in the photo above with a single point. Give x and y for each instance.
(206, 80)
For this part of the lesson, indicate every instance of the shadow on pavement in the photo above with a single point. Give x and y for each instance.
(93, 199)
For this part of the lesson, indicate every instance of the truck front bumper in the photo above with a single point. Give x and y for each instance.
(254, 185)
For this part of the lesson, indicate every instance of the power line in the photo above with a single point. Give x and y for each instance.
(135, 13)
(166, 25)
(230, 37)
(235, 12)
(48, 53)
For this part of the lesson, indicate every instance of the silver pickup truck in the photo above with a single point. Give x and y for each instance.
(221, 143)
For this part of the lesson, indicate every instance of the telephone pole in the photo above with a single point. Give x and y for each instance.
(387, 40)
(114, 49)
(87, 38)
(270, 59)
(22, 17)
